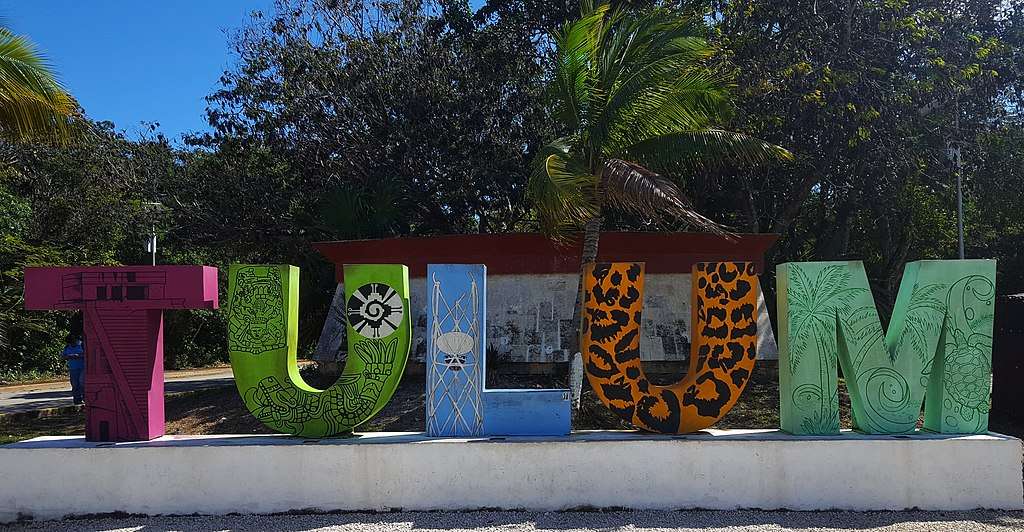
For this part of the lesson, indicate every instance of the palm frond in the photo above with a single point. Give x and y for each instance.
(640, 38)
(830, 280)
(692, 102)
(702, 148)
(636, 95)
(573, 84)
(33, 105)
(563, 192)
(632, 188)
(648, 57)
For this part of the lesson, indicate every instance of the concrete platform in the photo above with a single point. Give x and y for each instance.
(53, 477)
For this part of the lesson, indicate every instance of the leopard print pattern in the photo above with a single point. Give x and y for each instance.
(723, 349)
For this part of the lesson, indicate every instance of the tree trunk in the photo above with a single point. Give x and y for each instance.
(577, 382)
(750, 206)
(591, 238)
(836, 245)
(820, 171)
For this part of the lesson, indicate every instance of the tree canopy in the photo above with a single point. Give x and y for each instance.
(346, 119)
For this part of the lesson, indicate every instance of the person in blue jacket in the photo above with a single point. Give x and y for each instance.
(74, 354)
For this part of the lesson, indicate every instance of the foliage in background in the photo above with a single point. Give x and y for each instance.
(349, 119)
(870, 96)
(635, 102)
(637, 105)
(73, 204)
(340, 120)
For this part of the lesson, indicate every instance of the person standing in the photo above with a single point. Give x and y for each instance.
(74, 354)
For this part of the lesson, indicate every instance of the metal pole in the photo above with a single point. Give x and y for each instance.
(153, 208)
(960, 201)
(954, 152)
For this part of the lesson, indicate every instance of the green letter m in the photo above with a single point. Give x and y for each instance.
(939, 341)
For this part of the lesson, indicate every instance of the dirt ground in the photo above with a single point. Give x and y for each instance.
(221, 411)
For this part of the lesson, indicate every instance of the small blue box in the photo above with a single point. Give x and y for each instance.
(526, 412)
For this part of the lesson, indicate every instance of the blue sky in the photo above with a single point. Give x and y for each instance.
(129, 61)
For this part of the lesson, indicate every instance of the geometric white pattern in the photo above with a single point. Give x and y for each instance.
(455, 365)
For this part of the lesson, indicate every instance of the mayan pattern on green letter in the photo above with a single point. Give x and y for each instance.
(939, 341)
(263, 306)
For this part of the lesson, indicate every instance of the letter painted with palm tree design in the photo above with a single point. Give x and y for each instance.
(938, 348)
(263, 306)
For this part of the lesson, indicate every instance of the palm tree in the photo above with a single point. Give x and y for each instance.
(33, 105)
(636, 98)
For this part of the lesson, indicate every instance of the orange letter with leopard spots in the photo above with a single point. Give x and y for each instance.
(722, 352)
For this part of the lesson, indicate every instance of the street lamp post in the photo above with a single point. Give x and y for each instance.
(154, 208)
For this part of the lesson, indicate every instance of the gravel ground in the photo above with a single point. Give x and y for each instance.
(561, 521)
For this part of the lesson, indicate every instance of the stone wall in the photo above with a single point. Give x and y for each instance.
(53, 477)
(528, 319)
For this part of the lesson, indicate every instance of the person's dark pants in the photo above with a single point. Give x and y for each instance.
(78, 385)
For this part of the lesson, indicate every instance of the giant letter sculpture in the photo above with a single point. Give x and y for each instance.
(122, 311)
(263, 308)
(455, 349)
(722, 354)
(939, 340)
(458, 401)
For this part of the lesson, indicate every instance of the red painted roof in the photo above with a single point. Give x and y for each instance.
(532, 253)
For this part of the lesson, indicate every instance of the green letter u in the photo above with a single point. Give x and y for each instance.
(263, 305)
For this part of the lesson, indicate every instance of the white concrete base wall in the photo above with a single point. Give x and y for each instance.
(49, 478)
